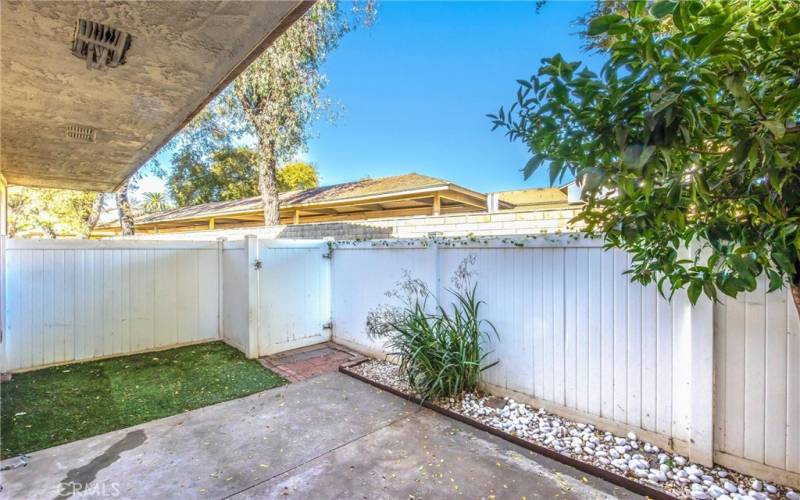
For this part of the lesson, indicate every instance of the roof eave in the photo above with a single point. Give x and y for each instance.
(285, 23)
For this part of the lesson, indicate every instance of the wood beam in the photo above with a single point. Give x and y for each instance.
(212, 222)
(383, 214)
(437, 204)
(370, 200)
(466, 200)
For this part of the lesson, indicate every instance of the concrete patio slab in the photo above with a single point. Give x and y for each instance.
(327, 437)
(428, 456)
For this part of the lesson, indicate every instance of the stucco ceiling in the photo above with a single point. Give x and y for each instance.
(181, 54)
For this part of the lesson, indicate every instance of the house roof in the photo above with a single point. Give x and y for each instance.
(68, 126)
(367, 196)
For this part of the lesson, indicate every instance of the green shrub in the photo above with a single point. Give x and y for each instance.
(439, 353)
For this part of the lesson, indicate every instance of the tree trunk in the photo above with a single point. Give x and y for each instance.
(268, 184)
(94, 216)
(796, 296)
(124, 207)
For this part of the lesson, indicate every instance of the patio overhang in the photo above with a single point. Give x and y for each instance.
(387, 197)
(67, 125)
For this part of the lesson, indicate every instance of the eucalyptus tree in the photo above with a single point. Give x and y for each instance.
(94, 214)
(689, 133)
(281, 92)
(124, 211)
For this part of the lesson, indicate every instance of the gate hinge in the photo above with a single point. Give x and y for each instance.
(327, 326)
(326, 255)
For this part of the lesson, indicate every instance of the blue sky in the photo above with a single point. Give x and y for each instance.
(415, 88)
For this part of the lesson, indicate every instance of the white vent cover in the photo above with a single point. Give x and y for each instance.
(101, 45)
(83, 134)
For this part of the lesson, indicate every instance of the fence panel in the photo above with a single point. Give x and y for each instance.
(574, 331)
(234, 294)
(757, 348)
(79, 300)
(360, 279)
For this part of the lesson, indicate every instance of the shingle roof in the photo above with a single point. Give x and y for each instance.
(323, 194)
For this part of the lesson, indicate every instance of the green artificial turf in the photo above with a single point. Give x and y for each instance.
(65, 403)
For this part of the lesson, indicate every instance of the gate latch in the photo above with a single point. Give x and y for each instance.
(327, 326)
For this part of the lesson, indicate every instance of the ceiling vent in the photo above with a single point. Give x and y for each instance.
(100, 45)
(83, 134)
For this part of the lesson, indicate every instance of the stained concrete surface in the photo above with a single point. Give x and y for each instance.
(327, 437)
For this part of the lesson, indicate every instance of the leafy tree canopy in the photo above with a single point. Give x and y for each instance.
(297, 176)
(689, 133)
(230, 174)
(53, 212)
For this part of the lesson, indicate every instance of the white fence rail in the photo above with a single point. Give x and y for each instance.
(79, 300)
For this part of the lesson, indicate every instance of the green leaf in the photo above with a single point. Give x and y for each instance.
(692, 124)
(694, 291)
(784, 262)
(742, 265)
(707, 41)
(621, 136)
(532, 165)
(662, 8)
(636, 7)
(777, 128)
(600, 25)
(680, 16)
(635, 156)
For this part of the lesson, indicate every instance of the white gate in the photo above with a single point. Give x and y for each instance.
(294, 294)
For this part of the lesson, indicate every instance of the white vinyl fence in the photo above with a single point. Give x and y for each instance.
(574, 332)
(757, 393)
(77, 300)
(718, 382)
